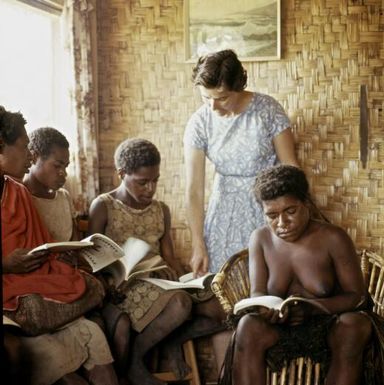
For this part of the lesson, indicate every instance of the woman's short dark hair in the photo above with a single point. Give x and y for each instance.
(42, 140)
(219, 69)
(132, 154)
(12, 126)
(277, 181)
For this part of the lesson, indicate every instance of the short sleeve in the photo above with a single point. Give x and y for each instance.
(195, 133)
(278, 119)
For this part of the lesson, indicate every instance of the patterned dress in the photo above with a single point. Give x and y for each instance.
(57, 214)
(144, 301)
(239, 147)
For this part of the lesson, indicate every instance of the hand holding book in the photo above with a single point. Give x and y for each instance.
(100, 253)
(261, 304)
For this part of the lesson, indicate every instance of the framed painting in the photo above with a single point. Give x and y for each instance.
(250, 27)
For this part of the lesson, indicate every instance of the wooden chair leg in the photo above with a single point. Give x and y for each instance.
(190, 358)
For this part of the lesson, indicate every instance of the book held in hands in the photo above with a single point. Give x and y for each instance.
(260, 303)
(102, 253)
(186, 281)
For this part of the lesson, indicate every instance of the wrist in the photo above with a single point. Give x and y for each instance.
(199, 246)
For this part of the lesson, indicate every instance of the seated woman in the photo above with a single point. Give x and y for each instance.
(131, 211)
(45, 181)
(296, 255)
(79, 344)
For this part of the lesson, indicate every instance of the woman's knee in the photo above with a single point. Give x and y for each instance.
(253, 330)
(350, 333)
(182, 302)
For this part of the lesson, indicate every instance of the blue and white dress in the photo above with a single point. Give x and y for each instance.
(239, 147)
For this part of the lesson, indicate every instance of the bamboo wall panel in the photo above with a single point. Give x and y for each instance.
(329, 49)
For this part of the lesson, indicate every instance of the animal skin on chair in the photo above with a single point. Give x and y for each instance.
(231, 284)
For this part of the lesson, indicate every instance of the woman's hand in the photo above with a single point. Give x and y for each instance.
(199, 262)
(298, 313)
(19, 261)
(72, 258)
(273, 316)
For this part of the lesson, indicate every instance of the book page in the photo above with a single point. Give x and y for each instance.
(268, 301)
(294, 300)
(58, 247)
(134, 251)
(104, 252)
(189, 277)
(197, 283)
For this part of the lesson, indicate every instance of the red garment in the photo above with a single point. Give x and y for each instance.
(22, 228)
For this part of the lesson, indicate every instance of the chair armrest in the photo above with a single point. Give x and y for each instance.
(231, 283)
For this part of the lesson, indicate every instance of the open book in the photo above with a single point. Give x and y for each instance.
(255, 304)
(58, 247)
(102, 253)
(186, 281)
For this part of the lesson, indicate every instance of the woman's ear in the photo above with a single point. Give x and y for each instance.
(120, 173)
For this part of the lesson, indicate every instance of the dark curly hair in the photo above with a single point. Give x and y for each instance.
(132, 154)
(221, 68)
(12, 126)
(43, 139)
(281, 180)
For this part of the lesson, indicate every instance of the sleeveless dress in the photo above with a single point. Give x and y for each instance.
(239, 147)
(57, 214)
(144, 301)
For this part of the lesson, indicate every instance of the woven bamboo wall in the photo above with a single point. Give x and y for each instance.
(329, 49)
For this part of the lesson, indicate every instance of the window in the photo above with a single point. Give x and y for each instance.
(35, 69)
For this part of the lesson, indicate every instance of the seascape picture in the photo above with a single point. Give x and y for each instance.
(250, 27)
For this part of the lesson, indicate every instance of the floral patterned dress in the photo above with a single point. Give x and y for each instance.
(239, 147)
(144, 301)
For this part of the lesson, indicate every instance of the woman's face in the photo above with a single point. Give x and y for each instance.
(287, 216)
(15, 159)
(220, 100)
(141, 185)
(51, 172)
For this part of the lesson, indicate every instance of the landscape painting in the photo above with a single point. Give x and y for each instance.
(250, 27)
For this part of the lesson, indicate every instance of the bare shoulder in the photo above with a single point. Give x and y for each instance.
(260, 236)
(99, 207)
(164, 207)
(335, 238)
(97, 204)
(329, 231)
(166, 212)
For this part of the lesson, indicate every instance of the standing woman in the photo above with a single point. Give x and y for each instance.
(242, 133)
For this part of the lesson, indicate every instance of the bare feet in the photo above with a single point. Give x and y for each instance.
(139, 375)
(175, 359)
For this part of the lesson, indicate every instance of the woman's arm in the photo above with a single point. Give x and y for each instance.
(166, 244)
(285, 148)
(351, 290)
(195, 181)
(98, 217)
(75, 231)
(258, 271)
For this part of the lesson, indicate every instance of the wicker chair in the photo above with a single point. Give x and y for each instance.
(231, 284)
